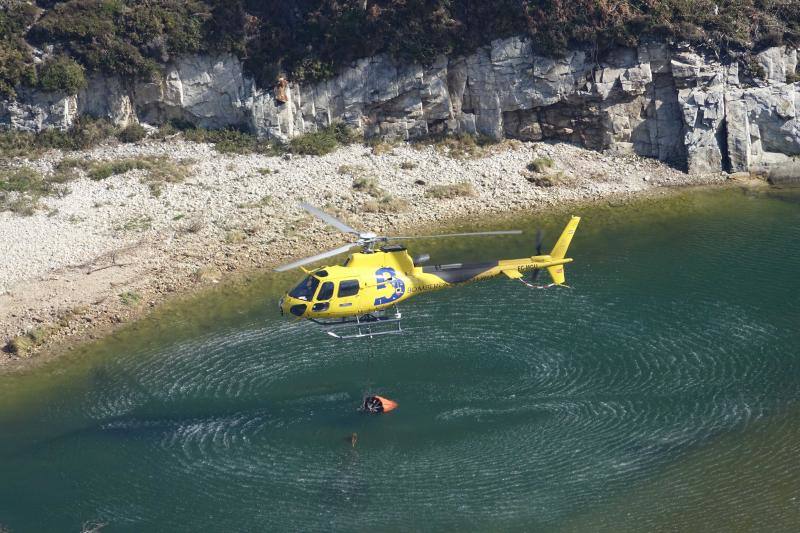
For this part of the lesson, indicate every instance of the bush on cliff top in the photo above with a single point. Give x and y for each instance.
(16, 61)
(311, 39)
(124, 38)
(63, 74)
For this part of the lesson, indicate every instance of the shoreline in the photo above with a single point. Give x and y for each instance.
(125, 274)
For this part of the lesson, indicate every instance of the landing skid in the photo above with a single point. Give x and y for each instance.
(383, 322)
(549, 285)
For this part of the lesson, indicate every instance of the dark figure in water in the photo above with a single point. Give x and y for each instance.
(377, 404)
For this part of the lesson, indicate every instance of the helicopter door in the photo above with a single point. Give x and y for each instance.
(348, 288)
(325, 294)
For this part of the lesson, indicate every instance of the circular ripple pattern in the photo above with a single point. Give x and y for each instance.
(668, 374)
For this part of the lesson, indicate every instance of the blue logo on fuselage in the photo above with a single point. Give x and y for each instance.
(387, 276)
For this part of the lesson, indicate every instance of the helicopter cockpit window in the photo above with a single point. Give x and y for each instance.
(305, 289)
(348, 287)
(326, 291)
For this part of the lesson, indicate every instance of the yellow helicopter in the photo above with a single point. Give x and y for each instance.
(364, 291)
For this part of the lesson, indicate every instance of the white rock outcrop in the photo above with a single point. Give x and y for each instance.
(669, 103)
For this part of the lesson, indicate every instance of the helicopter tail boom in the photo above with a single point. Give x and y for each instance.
(560, 249)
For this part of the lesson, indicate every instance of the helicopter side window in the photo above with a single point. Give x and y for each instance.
(305, 289)
(326, 291)
(348, 287)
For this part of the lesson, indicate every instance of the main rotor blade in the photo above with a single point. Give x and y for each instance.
(474, 234)
(314, 258)
(328, 219)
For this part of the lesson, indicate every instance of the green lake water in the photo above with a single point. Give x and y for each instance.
(660, 393)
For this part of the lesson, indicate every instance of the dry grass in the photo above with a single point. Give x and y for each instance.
(193, 226)
(383, 148)
(548, 180)
(368, 185)
(235, 236)
(263, 202)
(352, 170)
(454, 190)
(385, 204)
(208, 273)
(465, 146)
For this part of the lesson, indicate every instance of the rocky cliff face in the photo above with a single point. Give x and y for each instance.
(664, 102)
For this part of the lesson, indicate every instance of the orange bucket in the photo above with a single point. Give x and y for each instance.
(388, 405)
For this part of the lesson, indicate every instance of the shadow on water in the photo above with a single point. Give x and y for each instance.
(666, 379)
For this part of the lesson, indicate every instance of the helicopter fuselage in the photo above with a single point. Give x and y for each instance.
(377, 280)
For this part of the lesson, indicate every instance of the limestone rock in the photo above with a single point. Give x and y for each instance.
(778, 63)
(107, 98)
(660, 101)
(36, 110)
(206, 91)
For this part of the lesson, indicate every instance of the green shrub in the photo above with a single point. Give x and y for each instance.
(236, 142)
(160, 170)
(85, 133)
(343, 133)
(24, 180)
(165, 131)
(66, 169)
(229, 141)
(142, 223)
(130, 298)
(16, 67)
(132, 133)
(22, 188)
(61, 74)
(123, 38)
(540, 164)
(16, 60)
(105, 169)
(323, 141)
(316, 143)
(15, 143)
